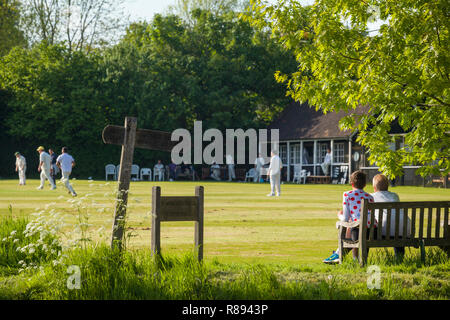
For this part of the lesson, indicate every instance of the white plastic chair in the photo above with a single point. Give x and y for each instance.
(159, 173)
(110, 169)
(297, 173)
(135, 171)
(303, 175)
(146, 172)
(251, 174)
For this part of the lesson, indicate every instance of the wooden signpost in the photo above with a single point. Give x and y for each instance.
(129, 137)
(177, 209)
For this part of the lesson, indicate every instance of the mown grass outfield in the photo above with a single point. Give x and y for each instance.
(242, 224)
(256, 247)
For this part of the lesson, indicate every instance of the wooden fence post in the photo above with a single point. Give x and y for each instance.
(156, 221)
(126, 161)
(199, 192)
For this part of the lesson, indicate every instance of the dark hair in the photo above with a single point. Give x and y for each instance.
(358, 179)
(64, 149)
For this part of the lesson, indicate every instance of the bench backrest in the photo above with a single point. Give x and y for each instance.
(427, 220)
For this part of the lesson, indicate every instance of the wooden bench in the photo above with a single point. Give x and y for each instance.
(442, 180)
(429, 225)
(319, 179)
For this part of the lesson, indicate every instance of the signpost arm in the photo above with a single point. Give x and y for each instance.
(126, 161)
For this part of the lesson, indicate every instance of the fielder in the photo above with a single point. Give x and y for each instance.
(21, 168)
(230, 165)
(45, 168)
(275, 174)
(259, 164)
(65, 162)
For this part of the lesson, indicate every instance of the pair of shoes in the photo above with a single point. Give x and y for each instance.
(53, 188)
(278, 195)
(74, 194)
(334, 258)
(270, 195)
(40, 188)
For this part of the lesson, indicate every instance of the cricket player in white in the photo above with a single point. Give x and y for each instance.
(259, 163)
(21, 168)
(230, 165)
(275, 174)
(45, 168)
(66, 162)
(326, 163)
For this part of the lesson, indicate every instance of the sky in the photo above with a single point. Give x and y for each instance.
(145, 9)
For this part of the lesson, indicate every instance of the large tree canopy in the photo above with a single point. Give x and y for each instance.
(400, 71)
(167, 72)
(10, 33)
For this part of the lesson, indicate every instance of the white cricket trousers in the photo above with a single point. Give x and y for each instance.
(325, 168)
(231, 173)
(275, 183)
(22, 178)
(257, 177)
(45, 174)
(65, 180)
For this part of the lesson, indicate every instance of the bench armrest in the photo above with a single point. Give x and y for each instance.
(347, 224)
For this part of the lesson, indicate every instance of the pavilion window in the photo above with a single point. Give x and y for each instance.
(283, 153)
(339, 152)
(295, 153)
(322, 152)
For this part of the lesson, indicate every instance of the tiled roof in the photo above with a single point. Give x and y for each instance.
(301, 121)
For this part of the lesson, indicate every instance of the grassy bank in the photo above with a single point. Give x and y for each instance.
(255, 247)
(135, 275)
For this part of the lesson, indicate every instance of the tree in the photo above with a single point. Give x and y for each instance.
(10, 33)
(184, 8)
(400, 71)
(82, 24)
(218, 70)
(167, 73)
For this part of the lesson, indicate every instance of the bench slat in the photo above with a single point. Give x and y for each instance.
(406, 243)
(395, 205)
(397, 224)
(429, 222)
(380, 224)
(371, 226)
(413, 223)
(405, 223)
(421, 226)
(446, 226)
(437, 227)
(388, 224)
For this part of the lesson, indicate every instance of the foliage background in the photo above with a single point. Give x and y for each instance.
(168, 72)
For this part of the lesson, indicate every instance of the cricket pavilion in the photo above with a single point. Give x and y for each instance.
(305, 135)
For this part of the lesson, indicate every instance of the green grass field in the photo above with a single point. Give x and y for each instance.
(242, 224)
(256, 247)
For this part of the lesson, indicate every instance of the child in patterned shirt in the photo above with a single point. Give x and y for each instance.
(351, 210)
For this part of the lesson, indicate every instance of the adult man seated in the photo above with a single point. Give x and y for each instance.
(326, 162)
(172, 171)
(215, 171)
(159, 170)
(381, 194)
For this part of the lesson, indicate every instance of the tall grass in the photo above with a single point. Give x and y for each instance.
(111, 275)
(107, 274)
(24, 244)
